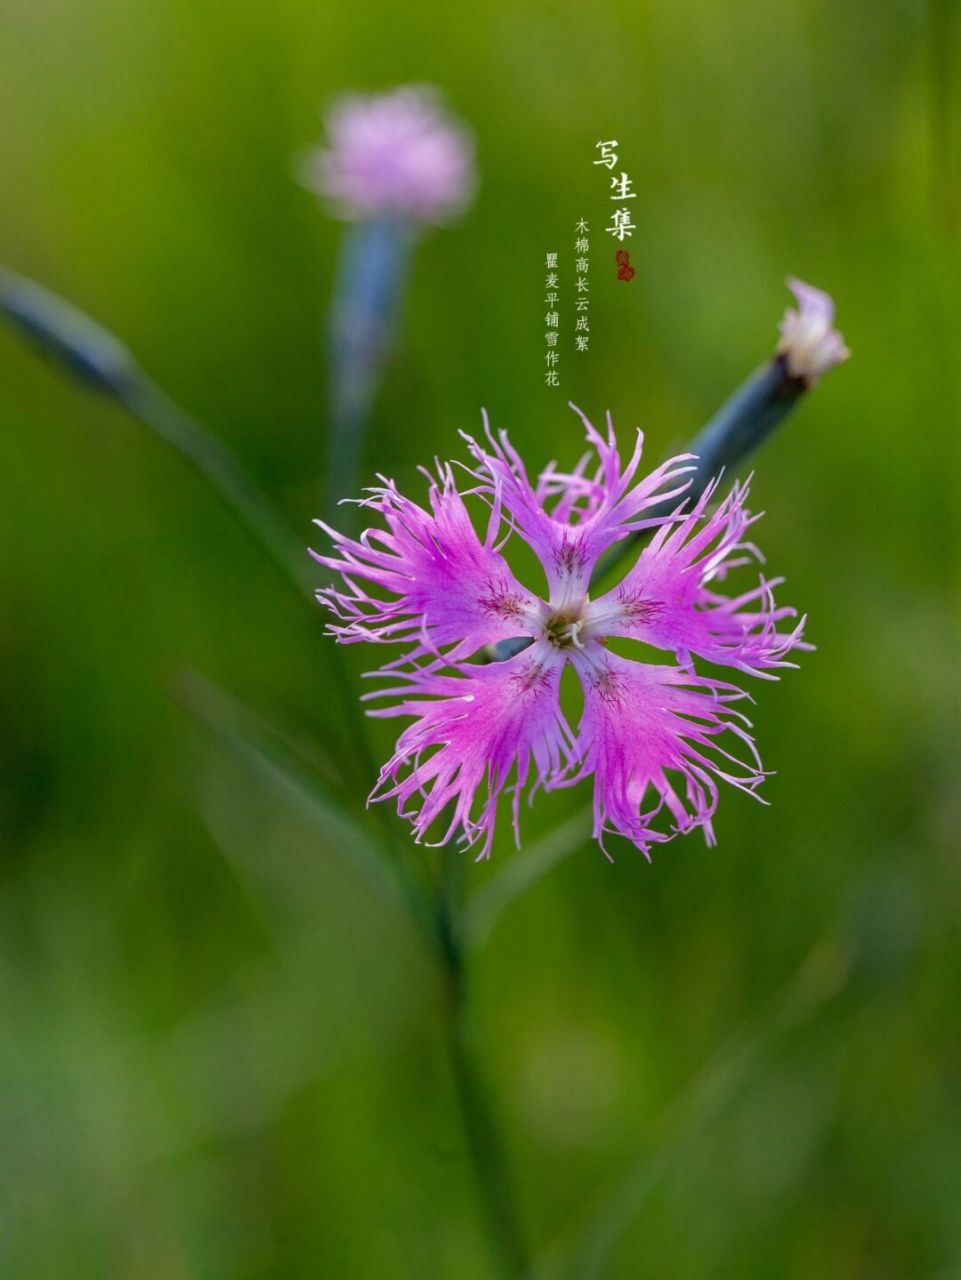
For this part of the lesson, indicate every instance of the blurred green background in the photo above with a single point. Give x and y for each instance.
(222, 1054)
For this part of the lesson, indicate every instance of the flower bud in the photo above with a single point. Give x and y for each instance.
(810, 345)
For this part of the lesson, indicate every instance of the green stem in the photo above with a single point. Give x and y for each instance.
(742, 423)
(217, 465)
(151, 406)
(371, 279)
(498, 1205)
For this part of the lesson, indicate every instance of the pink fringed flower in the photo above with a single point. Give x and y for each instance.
(656, 736)
(397, 154)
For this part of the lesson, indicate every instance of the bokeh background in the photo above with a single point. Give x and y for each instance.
(221, 1053)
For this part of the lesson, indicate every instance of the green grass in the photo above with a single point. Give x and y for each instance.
(222, 1052)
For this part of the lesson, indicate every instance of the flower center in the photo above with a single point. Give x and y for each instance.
(563, 630)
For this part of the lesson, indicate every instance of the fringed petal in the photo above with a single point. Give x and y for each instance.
(570, 519)
(427, 580)
(670, 598)
(470, 734)
(650, 735)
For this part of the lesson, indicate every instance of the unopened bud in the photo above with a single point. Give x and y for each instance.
(810, 345)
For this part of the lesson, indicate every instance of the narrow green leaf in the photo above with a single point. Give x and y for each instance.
(519, 874)
(270, 759)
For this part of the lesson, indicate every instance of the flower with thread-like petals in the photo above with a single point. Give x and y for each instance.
(657, 737)
(397, 155)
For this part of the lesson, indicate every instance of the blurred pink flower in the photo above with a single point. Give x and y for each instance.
(655, 736)
(396, 154)
(810, 344)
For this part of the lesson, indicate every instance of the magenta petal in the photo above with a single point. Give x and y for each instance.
(671, 599)
(644, 724)
(437, 584)
(397, 153)
(657, 739)
(471, 732)
(571, 520)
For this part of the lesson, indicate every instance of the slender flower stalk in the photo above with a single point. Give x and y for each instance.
(810, 347)
(396, 163)
(492, 1174)
(364, 312)
(656, 737)
(99, 359)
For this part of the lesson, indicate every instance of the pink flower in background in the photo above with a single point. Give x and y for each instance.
(810, 345)
(655, 736)
(398, 154)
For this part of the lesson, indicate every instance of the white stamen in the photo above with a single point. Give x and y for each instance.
(572, 633)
